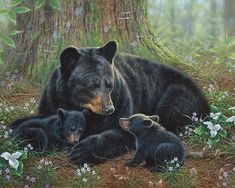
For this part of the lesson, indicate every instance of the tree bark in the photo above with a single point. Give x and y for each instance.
(84, 23)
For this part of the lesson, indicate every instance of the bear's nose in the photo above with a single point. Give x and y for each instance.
(108, 110)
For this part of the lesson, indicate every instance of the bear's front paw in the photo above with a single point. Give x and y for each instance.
(130, 163)
(80, 154)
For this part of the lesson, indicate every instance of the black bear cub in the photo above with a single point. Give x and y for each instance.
(154, 144)
(62, 129)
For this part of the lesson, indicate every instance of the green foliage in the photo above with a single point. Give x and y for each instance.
(177, 178)
(213, 130)
(55, 4)
(45, 172)
(19, 171)
(39, 4)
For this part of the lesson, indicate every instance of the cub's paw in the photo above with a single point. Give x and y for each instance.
(81, 154)
(130, 163)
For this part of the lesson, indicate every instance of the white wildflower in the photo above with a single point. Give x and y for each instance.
(12, 158)
(175, 159)
(231, 119)
(232, 108)
(170, 168)
(215, 116)
(83, 170)
(39, 167)
(213, 128)
(84, 180)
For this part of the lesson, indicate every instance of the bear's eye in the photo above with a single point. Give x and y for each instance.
(109, 85)
(94, 85)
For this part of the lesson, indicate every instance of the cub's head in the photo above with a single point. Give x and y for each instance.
(139, 122)
(89, 77)
(72, 124)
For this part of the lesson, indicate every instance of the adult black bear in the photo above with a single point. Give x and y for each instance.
(153, 143)
(113, 86)
(63, 129)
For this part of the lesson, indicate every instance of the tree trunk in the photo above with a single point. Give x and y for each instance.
(84, 23)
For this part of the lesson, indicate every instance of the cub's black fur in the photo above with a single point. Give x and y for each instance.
(114, 85)
(154, 144)
(63, 129)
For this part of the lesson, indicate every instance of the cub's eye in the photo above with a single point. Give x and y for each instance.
(94, 85)
(80, 130)
(72, 128)
(109, 86)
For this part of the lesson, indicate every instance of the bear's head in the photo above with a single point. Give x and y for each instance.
(138, 123)
(72, 124)
(89, 77)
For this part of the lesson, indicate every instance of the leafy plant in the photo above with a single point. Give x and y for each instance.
(14, 162)
(213, 130)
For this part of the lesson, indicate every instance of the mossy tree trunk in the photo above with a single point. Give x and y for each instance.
(85, 23)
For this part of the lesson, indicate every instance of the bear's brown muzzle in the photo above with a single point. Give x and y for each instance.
(98, 105)
(72, 138)
(124, 123)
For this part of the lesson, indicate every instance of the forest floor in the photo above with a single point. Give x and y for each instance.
(209, 166)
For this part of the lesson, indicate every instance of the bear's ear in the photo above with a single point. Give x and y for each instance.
(148, 123)
(62, 114)
(109, 50)
(86, 113)
(68, 59)
(154, 118)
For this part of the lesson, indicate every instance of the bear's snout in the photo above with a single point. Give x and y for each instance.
(108, 110)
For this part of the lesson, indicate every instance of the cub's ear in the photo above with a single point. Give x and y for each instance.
(62, 114)
(86, 113)
(148, 123)
(154, 118)
(68, 59)
(109, 50)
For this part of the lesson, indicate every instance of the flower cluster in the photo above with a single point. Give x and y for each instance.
(44, 163)
(188, 131)
(29, 147)
(5, 108)
(10, 79)
(172, 165)
(86, 174)
(30, 106)
(5, 173)
(4, 132)
(29, 180)
(223, 96)
(210, 88)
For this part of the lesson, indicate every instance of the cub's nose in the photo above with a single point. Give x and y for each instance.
(108, 110)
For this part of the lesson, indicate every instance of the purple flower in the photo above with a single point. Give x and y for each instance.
(47, 186)
(26, 186)
(33, 179)
(233, 138)
(8, 177)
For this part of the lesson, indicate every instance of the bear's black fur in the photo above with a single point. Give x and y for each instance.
(63, 129)
(112, 86)
(153, 143)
